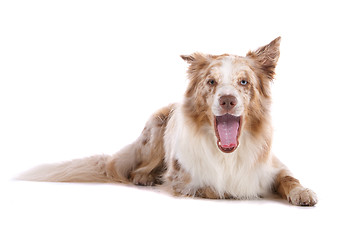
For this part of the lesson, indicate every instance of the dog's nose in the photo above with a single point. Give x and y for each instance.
(227, 102)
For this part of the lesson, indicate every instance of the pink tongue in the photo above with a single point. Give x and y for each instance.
(227, 126)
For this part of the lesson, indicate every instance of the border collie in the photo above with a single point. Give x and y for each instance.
(215, 144)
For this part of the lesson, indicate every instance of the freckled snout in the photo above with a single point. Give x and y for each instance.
(227, 102)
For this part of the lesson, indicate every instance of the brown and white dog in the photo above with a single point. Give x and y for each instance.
(215, 144)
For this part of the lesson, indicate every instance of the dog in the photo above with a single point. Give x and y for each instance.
(216, 144)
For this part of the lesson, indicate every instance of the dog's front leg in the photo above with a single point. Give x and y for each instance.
(290, 188)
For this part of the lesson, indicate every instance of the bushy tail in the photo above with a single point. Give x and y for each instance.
(98, 168)
(137, 162)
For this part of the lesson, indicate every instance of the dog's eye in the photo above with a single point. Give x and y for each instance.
(211, 82)
(243, 82)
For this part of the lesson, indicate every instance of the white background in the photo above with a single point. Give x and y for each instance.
(81, 77)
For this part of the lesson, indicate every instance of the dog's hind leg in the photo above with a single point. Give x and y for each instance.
(142, 162)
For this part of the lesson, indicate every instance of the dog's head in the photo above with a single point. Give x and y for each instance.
(231, 93)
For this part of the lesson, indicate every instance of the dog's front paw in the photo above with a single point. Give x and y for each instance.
(302, 197)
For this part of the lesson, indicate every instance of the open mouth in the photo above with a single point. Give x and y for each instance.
(227, 129)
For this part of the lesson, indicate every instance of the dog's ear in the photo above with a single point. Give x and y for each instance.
(195, 57)
(267, 56)
(188, 58)
(198, 63)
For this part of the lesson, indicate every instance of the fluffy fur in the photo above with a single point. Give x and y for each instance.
(215, 144)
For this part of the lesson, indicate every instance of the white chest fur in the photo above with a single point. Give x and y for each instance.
(238, 174)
